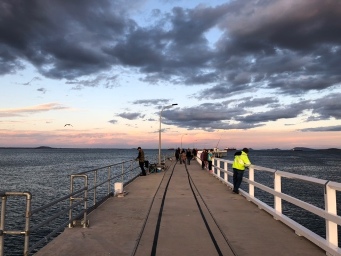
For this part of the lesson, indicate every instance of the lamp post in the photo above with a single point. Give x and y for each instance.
(181, 139)
(164, 107)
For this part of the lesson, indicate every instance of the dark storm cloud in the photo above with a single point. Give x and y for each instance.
(291, 46)
(63, 39)
(336, 128)
(328, 107)
(240, 114)
(42, 90)
(113, 121)
(130, 116)
(207, 116)
(151, 102)
(101, 79)
(287, 47)
(257, 102)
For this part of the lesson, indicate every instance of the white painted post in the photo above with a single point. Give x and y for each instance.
(278, 188)
(251, 177)
(218, 169)
(330, 207)
(226, 175)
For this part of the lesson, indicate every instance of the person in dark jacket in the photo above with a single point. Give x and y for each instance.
(177, 154)
(203, 158)
(140, 157)
(189, 156)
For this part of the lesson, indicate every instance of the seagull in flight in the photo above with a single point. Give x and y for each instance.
(68, 125)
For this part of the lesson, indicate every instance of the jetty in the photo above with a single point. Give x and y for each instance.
(182, 210)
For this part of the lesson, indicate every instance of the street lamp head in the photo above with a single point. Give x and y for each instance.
(169, 106)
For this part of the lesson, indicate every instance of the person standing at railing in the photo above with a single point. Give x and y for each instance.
(203, 158)
(209, 159)
(140, 157)
(241, 160)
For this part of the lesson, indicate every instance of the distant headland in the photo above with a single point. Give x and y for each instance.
(312, 149)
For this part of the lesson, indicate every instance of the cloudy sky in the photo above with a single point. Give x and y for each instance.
(244, 73)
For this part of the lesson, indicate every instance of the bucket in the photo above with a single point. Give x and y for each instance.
(118, 186)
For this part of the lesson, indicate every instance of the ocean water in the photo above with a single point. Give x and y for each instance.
(45, 173)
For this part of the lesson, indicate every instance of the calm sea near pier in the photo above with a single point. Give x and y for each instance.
(45, 173)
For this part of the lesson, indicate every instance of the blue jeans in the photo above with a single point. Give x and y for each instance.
(237, 179)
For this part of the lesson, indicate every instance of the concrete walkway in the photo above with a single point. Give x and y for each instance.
(121, 227)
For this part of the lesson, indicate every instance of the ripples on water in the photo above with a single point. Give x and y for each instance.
(45, 173)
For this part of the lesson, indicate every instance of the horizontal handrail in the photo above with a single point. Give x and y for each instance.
(39, 209)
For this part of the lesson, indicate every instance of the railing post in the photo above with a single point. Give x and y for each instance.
(278, 188)
(122, 173)
(27, 222)
(109, 171)
(86, 184)
(226, 175)
(218, 169)
(252, 178)
(95, 185)
(85, 222)
(331, 207)
(70, 201)
(2, 222)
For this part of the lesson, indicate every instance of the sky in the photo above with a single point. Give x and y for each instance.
(260, 74)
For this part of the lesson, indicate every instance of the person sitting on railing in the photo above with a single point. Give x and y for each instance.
(140, 157)
(241, 161)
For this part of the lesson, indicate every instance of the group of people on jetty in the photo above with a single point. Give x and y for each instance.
(241, 161)
(185, 155)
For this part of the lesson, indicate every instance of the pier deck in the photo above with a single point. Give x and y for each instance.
(238, 227)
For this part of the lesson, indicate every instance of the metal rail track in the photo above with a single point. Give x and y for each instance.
(212, 226)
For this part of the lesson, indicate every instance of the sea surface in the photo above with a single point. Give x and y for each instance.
(45, 173)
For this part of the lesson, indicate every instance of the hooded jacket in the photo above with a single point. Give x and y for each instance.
(241, 161)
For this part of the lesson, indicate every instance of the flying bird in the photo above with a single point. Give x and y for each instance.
(68, 125)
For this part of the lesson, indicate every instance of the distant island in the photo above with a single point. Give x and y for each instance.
(43, 147)
(313, 149)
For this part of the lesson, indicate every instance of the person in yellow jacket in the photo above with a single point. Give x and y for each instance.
(241, 161)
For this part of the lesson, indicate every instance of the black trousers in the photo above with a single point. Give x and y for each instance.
(142, 168)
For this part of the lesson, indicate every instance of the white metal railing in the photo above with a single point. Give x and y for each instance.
(222, 170)
(94, 188)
